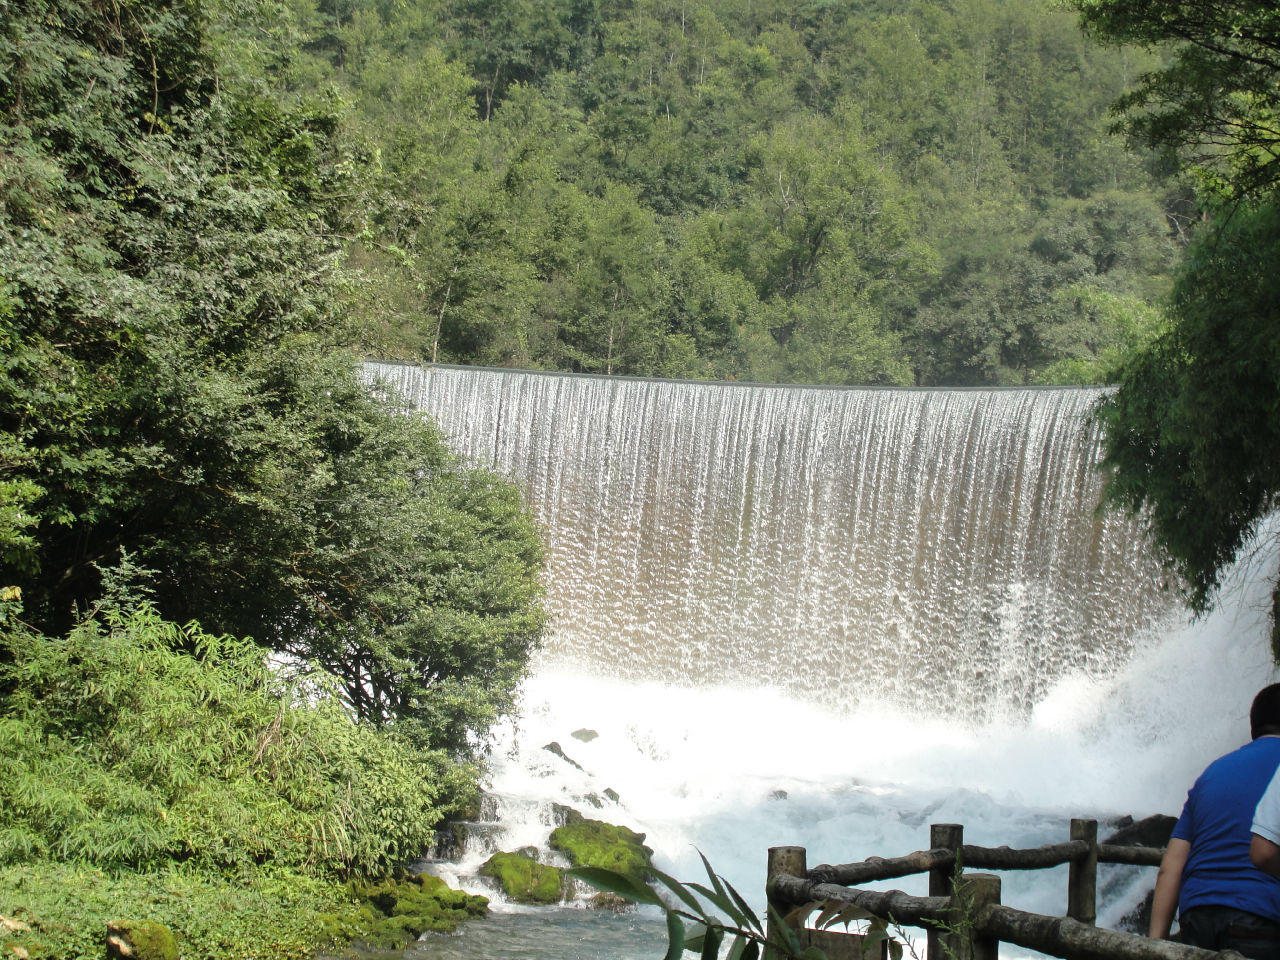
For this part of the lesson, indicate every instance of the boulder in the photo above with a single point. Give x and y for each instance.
(1152, 831)
(396, 912)
(555, 748)
(140, 940)
(594, 843)
(523, 879)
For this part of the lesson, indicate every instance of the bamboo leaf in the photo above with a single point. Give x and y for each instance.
(851, 912)
(675, 937)
(695, 936)
(681, 891)
(722, 901)
(611, 882)
(744, 907)
(789, 938)
(711, 943)
(715, 880)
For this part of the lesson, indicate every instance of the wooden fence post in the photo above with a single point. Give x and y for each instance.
(975, 892)
(1082, 883)
(788, 861)
(948, 836)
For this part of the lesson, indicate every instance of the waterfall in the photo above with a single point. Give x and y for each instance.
(831, 616)
(936, 550)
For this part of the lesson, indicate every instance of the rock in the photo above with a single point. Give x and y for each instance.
(586, 736)
(612, 794)
(140, 940)
(554, 747)
(610, 901)
(562, 816)
(778, 795)
(523, 879)
(1152, 831)
(397, 912)
(458, 837)
(593, 843)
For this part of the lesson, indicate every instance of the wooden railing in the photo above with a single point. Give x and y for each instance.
(962, 913)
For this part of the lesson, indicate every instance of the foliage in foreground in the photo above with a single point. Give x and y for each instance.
(257, 914)
(747, 936)
(133, 743)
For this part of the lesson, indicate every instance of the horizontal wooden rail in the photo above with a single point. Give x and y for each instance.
(981, 858)
(1135, 856)
(903, 908)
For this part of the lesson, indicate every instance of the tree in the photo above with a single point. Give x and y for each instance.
(1191, 432)
(181, 398)
(1214, 106)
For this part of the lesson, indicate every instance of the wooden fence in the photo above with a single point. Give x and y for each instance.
(963, 913)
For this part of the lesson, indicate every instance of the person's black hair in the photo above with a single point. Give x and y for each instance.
(1264, 714)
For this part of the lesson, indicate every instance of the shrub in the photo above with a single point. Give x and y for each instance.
(132, 742)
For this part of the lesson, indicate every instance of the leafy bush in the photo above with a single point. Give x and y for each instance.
(133, 741)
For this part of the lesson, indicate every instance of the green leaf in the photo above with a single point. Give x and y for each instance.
(723, 902)
(715, 880)
(738, 947)
(695, 937)
(611, 882)
(675, 937)
(743, 906)
(788, 936)
(711, 943)
(681, 891)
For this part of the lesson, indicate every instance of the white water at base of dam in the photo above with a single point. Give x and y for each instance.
(984, 649)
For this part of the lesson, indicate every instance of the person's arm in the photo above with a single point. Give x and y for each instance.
(1264, 844)
(1164, 902)
(1265, 854)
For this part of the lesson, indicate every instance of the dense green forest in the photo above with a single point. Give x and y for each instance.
(881, 192)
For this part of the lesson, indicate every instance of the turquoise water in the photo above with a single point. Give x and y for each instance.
(551, 934)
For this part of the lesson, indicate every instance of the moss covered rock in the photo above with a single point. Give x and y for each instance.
(593, 843)
(523, 879)
(140, 940)
(395, 913)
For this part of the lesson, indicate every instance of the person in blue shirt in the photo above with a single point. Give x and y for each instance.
(1223, 901)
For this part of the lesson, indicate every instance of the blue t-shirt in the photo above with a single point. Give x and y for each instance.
(1216, 820)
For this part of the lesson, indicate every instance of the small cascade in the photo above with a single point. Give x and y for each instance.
(522, 821)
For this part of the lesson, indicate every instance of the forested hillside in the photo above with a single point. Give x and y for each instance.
(882, 192)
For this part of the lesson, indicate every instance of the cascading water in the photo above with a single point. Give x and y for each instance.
(829, 617)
